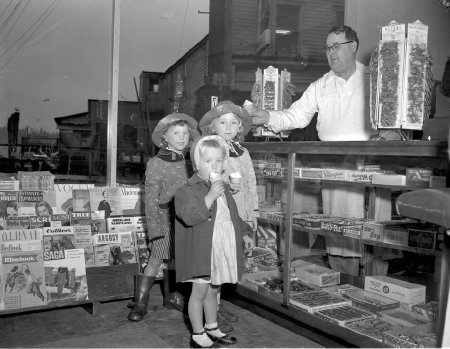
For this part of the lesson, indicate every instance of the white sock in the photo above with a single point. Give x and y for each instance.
(216, 332)
(202, 339)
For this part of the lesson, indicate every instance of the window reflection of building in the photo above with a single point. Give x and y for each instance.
(287, 27)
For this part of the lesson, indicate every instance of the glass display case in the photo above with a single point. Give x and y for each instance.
(328, 227)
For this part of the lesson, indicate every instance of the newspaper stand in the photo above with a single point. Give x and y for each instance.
(104, 284)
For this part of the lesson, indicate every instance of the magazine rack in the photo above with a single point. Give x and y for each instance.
(104, 284)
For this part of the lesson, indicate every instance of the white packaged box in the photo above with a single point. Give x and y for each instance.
(317, 275)
(399, 290)
(386, 179)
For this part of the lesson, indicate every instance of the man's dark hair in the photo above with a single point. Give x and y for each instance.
(350, 34)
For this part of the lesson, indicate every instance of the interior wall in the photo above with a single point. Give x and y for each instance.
(367, 16)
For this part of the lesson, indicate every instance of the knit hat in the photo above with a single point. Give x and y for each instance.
(226, 107)
(164, 124)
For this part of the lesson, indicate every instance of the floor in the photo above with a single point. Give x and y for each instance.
(75, 327)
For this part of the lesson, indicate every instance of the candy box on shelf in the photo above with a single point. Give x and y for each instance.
(373, 328)
(253, 280)
(309, 220)
(276, 216)
(370, 301)
(311, 173)
(422, 238)
(266, 237)
(404, 317)
(339, 289)
(418, 177)
(429, 310)
(317, 275)
(389, 179)
(360, 176)
(375, 230)
(421, 336)
(262, 256)
(351, 226)
(333, 174)
(399, 290)
(396, 235)
(344, 314)
(313, 301)
(438, 181)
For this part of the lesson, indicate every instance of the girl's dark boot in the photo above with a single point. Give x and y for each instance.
(141, 296)
(171, 300)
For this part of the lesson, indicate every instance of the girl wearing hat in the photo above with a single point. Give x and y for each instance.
(208, 239)
(232, 123)
(165, 173)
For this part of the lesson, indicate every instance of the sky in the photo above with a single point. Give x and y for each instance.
(55, 54)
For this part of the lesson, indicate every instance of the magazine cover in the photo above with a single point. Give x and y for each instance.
(120, 224)
(36, 202)
(80, 200)
(23, 234)
(66, 278)
(142, 251)
(57, 240)
(21, 245)
(40, 221)
(106, 199)
(132, 201)
(60, 219)
(63, 196)
(16, 222)
(9, 203)
(96, 219)
(83, 239)
(23, 275)
(16, 246)
(114, 249)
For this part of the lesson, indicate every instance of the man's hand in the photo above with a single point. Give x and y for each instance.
(248, 242)
(260, 117)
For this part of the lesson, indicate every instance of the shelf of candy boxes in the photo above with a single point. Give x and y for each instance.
(373, 312)
(399, 231)
(365, 174)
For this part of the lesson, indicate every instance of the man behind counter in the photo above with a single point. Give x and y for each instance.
(339, 98)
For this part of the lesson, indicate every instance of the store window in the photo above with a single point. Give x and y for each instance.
(287, 33)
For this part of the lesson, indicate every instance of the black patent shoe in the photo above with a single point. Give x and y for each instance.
(194, 344)
(225, 340)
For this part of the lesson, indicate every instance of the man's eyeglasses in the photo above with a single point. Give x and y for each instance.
(336, 46)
